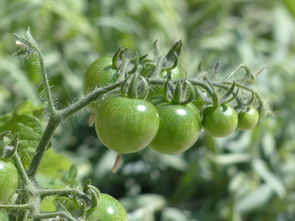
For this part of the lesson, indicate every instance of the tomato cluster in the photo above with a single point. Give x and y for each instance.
(128, 124)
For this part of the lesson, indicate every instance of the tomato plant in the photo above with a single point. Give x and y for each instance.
(248, 119)
(108, 209)
(220, 121)
(125, 124)
(8, 181)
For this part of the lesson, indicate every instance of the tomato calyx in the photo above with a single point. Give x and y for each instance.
(178, 94)
(132, 89)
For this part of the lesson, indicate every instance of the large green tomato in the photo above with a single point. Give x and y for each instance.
(8, 180)
(180, 127)
(127, 125)
(108, 209)
(220, 121)
(248, 119)
(99, 74)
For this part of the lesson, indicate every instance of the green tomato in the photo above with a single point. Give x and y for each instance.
(108, 209)
(248, 119)
(8, 180)
(180, 127)
(99, 74)
(127, 125)
(220, 121)
(3, 216)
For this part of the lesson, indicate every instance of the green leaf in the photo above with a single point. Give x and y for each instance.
(27, 126)
(54, 165)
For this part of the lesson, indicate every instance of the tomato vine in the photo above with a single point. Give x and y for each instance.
(130, 120)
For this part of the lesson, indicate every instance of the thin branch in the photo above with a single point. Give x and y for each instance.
(43, 144)
(16, 206)
(54, 215)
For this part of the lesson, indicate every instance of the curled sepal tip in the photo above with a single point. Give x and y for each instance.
(94, 195)
(175, 50)
(167, 87)
(192, 92)
(118, 57)
(177, 94)
(9, 145)
(235, 94)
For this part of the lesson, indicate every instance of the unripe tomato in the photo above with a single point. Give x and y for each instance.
(127, 125)
(248, 119)
(220, 121)
(180, 127)
(108, 209)
(99, 74)
(8, 180)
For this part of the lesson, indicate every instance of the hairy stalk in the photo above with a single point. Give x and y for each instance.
(20, 168)
(62, 192)
(92, 96)
(43, 144)
(16, 206)
(54, 215)
(48, 95)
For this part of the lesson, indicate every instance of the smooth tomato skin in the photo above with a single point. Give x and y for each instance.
(8, 180)
(220, 121)
(108, 209)
(127, 125)
(180, 127)
(99, 74)
(248, 119)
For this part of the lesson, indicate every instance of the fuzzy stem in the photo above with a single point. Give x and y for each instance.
(86, 100)
(62, 192)
(43, 144)
(16, 206)
(54, 215)
(48, 95)
(20, 168)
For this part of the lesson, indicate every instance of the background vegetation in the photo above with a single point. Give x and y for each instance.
(247, 176)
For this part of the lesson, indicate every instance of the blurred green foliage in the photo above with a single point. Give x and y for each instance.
(247, 176)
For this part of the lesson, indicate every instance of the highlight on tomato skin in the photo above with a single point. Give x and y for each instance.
(8, 180)
(127, 125)
(220, 121)
(108, 209)
(248, 118)
(180, 128)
